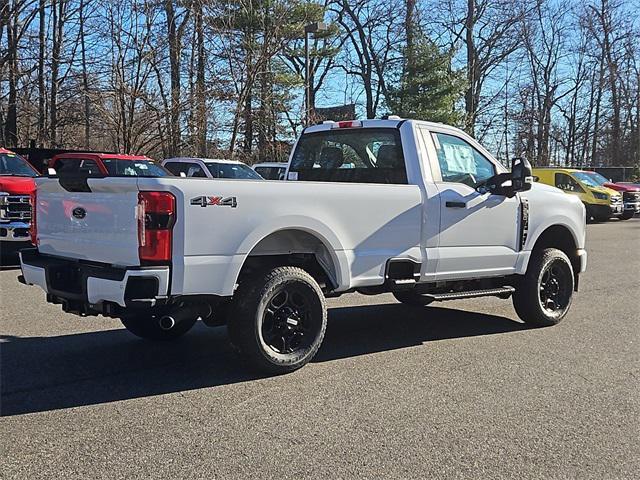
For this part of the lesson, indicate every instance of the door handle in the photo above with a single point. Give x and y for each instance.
(455, 204)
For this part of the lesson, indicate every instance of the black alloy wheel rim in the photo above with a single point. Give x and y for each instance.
(287, 325)
(555, 288)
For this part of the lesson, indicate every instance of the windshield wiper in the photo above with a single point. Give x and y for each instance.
(15, 175)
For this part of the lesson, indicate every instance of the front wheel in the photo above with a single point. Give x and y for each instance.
(627, 214)
(544, 296)
(277, 319)
(149, 325)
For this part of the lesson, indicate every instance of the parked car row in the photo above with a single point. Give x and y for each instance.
(17, 184)
(602, 198)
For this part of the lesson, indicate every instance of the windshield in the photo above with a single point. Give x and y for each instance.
(591, 179)
(133, 168)
(233, 170)
(12, 164)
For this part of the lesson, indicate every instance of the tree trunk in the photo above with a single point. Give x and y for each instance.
(85, 79)
(11, 123)
(174, 66)
(596, 119)
(470, 94)
(264, 118)
(201, 105)
(409, 26)
(41, 86)
(57, 9)
(248, 103)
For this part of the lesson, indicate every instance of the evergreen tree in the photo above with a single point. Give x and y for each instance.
(428, 88)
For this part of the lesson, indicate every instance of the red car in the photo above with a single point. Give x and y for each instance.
(630, 194)
(106, 164)
(16, 186)
(630, 197)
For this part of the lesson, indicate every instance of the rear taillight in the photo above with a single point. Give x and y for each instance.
(156, 217)
(33, 226)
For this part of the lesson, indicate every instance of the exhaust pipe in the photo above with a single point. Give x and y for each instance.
(167, 322)
(182, 312)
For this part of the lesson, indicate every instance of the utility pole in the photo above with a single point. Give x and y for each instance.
(309, 29)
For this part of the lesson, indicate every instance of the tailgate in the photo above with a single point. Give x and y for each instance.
(98, 225)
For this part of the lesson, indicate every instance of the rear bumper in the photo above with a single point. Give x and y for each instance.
(92, 288)
(14, 232)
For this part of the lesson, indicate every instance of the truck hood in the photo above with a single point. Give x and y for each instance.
(622, 187)
(17, 185)
(608, 191)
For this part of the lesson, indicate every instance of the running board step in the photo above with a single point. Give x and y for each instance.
(502, 292)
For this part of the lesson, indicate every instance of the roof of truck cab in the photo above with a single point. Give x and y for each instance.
(103, 156)
(205, 160)
(378, 123)
(271, 164)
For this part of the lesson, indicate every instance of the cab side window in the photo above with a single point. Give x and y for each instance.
(460, 162)
(79, 166)
(196, 170)
(567, 183)
(188, 168)
(176, 168)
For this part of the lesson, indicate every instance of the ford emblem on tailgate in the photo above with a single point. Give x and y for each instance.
(79, 212)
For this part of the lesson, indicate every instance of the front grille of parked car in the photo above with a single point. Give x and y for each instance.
(15, 208)
(616, 199)
(631, 196)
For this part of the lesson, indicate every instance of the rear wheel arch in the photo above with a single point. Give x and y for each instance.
(296, 247)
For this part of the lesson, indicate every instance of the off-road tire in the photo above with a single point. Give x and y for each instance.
(409, 297)
(529, 295)
(253, 319)
(145, 325)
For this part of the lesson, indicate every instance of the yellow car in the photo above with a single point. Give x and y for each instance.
(601, 202)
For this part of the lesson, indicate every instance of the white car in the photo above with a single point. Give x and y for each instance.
(271, 170)
(209, 168)
(425, 213)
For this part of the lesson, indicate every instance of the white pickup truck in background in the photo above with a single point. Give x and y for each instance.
(409, 207)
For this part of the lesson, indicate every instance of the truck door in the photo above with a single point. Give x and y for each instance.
(478, 231)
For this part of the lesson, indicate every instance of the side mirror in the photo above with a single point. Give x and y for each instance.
(183, 175)
(521, 175)
(51, 171)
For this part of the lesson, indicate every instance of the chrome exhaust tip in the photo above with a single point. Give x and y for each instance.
(167, 322)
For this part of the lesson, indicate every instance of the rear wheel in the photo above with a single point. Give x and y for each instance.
(544, 296)
(148, 325)
(409, 297)
(278, 318)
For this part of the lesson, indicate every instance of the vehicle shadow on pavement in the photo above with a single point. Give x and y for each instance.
(49, 373)
(359, 330)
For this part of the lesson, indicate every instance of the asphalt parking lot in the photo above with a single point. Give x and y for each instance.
(460, 390)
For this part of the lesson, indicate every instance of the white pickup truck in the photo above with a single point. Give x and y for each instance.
(417, 209)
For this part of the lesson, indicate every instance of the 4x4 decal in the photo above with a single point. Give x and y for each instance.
(205, 201)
